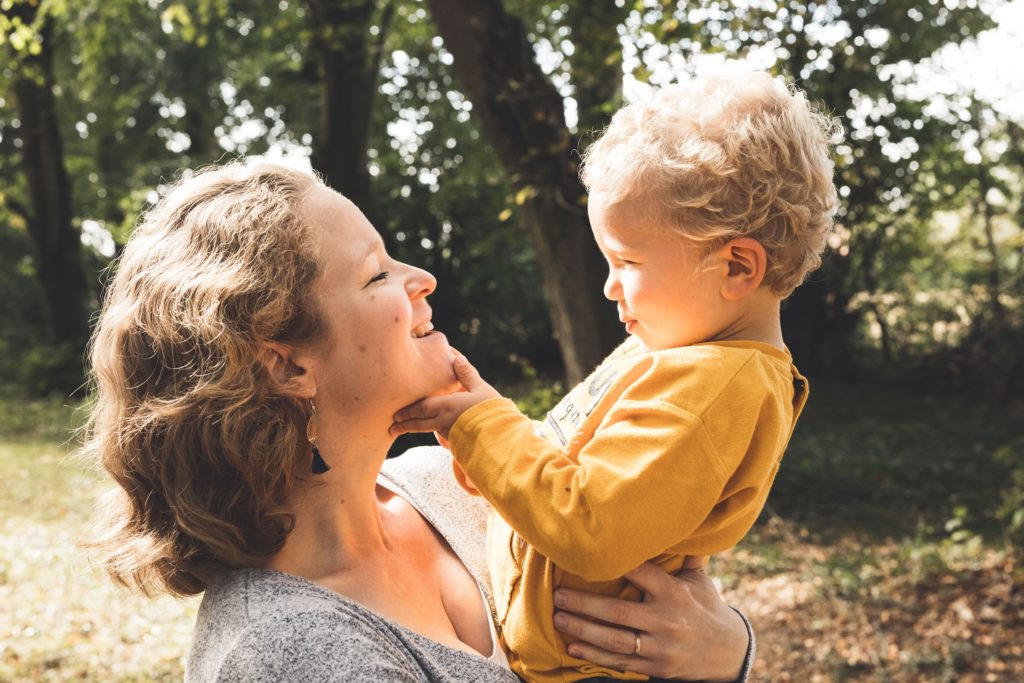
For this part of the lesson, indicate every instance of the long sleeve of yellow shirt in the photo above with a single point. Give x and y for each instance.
(653, 463)
(598, 516)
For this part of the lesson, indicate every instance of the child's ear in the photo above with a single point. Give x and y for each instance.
(287, 370)
(747, 262)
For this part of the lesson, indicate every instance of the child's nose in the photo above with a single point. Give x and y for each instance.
(612, 288)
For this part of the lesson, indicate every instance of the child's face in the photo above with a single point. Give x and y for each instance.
(665, 296)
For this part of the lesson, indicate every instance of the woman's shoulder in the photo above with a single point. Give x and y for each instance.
(424, 477)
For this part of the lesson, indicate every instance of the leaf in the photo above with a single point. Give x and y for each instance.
(525, 194)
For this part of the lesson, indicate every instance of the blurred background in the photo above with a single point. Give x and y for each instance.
(889, 548)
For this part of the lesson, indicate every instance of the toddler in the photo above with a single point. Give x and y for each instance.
(711, 204)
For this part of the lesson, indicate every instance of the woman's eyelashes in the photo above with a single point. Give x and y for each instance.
(379, 277)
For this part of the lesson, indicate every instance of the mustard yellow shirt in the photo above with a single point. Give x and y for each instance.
(657, 455)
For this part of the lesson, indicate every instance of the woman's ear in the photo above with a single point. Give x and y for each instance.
(288, 371)
(747, 262)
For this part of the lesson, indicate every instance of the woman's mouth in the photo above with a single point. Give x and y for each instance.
(422, 330)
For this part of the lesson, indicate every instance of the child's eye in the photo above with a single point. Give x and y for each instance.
(379, 277)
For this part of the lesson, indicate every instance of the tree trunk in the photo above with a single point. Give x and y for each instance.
(349, 65)
(523, 115)
(56, 244)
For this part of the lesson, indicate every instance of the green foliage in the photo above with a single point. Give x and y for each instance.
(46, 370)
(924, 283)
(1011, 510)
(538, 399)
(933, 452)
(22, 325)
(50, 419)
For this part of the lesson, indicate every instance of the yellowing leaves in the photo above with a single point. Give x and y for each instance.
(526, 193)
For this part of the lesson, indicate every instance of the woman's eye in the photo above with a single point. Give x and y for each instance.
(379, 277)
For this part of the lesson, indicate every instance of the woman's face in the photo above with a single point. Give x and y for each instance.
(381, 353)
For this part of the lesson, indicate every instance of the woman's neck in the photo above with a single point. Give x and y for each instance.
(339, 522)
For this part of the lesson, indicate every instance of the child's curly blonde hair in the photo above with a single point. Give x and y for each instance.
(723, 157)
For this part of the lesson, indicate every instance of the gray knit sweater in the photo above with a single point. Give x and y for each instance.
(260, 625)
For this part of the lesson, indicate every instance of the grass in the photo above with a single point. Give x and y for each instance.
(881, 556)
(63, 619)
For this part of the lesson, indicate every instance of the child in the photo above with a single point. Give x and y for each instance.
(711, 204)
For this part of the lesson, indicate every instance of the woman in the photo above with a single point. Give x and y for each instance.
(252, 348)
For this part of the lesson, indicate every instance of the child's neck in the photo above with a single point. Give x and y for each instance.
(758, 321)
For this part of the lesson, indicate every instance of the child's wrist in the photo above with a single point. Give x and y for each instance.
(465, 423)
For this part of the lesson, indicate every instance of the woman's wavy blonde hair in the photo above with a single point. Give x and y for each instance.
(204, 446)
(722, 157)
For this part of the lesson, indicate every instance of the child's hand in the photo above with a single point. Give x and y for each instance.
(439, 413)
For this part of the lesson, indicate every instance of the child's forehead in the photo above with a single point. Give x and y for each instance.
(640, 230)
(636, 221)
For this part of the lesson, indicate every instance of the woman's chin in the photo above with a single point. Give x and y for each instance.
(449, 387)
(442, 372)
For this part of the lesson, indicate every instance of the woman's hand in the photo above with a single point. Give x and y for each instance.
(685, 629)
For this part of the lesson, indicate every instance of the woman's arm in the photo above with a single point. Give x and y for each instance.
(685, 629)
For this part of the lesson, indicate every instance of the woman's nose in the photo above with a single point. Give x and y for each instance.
(419, 283)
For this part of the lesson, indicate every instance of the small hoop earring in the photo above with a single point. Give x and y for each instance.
(312, 434)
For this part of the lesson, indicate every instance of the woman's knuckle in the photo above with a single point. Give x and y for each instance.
(574, 627)
(620, 612)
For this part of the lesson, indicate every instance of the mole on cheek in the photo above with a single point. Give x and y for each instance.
(362, 348)
(355, 398)
(396, 318)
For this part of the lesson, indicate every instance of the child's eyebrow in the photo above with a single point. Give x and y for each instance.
(619, 247)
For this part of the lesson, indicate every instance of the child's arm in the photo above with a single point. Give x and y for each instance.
(645, 481)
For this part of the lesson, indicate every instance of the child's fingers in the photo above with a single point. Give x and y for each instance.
(430, 424)
(612, 610)
(422, 409)
(467, 374)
